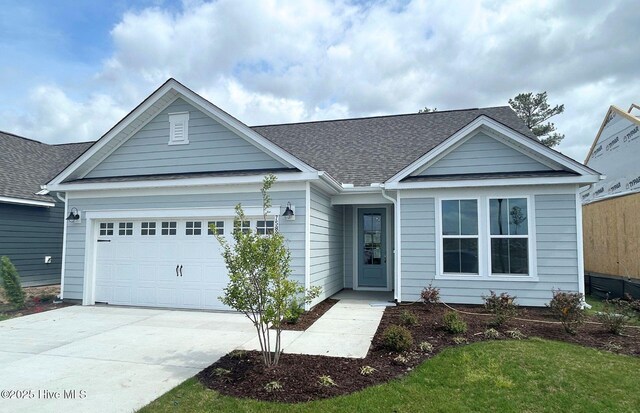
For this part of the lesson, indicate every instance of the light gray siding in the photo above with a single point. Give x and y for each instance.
(27, 235)
(211, 147)
(556, 250)
(483, 154)
(349, 241)
(293, 230)
(327, 249)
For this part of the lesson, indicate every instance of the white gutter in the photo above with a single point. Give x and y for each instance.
(20, 201)
(396, 241)
(64, 243)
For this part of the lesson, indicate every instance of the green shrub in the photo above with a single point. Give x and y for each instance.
(503, 307)
(397, 338)
(460, 340)
(491, 334)
(614, 315)
(367, 370)
(430, 296)
(516, 334)
(453, 323)
(568, 308)
(425, 347)
(295, 311)
(11, 283)
(326, 381)
(273, 386)
(408, 319)
(633, 304)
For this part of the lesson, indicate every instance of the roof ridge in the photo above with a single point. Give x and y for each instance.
(71, 143)
(22, 137)
(378, 116)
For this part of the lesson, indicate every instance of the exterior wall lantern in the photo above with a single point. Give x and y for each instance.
(74, 215)
(289, 213)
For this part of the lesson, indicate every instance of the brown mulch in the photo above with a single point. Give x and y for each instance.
(311, 316)
(37, 300)
(242, 374)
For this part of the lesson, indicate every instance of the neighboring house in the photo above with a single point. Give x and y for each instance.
(31, 220)
(612, 206)
(468, 200)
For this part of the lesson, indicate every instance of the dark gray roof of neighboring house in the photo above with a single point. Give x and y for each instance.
(25, 164)
(368, 150)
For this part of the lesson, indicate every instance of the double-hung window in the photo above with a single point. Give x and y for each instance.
(509, 236)
(460, 236)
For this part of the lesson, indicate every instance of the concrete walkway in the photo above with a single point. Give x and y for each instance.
(346, 330)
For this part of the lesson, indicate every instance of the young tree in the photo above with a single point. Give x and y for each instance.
(11, 283)
(259, 284)
(534, 112)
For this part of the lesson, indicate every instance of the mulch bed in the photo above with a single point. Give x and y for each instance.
(242, 374)
(311, 316)
(38, 299)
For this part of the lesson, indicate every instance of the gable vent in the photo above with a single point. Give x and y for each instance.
(179, 128)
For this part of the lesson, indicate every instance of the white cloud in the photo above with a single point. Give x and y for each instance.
(281, 61)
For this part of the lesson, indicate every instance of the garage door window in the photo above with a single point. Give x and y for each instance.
(106, 228)
(265, 227)
(219, 227)
(148, 228)
(194, 228)
(244, 226)
(125, 228)
(169, 228)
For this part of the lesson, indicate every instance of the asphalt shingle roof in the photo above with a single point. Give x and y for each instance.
(25, 164)
(368, 150)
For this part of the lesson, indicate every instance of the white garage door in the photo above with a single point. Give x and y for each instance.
(163, 262)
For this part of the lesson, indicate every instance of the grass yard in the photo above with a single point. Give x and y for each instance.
(508, 376)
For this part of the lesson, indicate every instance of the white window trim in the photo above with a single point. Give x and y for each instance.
(175, 118)
(484, 241)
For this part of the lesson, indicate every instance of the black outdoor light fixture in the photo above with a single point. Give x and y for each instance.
(74, 215)
(288, 212)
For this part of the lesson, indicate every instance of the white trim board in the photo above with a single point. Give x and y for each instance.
(491, 126)
(149, 107)
(28, 202)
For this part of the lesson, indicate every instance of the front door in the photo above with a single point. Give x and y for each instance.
(372, 251)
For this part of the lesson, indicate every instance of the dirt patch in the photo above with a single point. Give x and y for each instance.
(38, 299)
(242, 374)
(311, 316)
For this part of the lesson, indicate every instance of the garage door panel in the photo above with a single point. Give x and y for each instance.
(124, 249)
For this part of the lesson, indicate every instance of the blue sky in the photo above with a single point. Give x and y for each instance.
(71, 69)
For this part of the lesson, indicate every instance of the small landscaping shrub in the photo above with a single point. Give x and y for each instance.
(11, 283)
(425, 347)
(326, 381)
(491, 334)
(295, 311)
(614, 315)
(633, 304)
(367, 370)
(516, 334)
(408, 319)
(453, 323)
(460, 340)
(400, 359)
(273, 386)
(612, 347)
(503, 307)
(430, 296)
(220, 372)
(397, 338)
(238, 354)
(567, 307)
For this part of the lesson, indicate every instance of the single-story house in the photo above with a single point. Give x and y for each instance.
(611, 207)
(31, 219)
(468, 200)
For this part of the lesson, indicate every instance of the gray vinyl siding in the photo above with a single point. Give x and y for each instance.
(483, 154)
(327, 248)
(556, 250)
(211, 147)
(348, 246)
(27, 235)
(294, 231)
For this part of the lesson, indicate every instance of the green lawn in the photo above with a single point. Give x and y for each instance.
(503, 376)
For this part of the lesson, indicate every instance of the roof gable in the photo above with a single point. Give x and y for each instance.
(147, 111)
(211, 148)
(615, 121)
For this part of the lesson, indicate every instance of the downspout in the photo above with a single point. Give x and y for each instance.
(396, 243)
(64, 244)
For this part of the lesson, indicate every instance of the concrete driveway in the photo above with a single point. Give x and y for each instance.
(115, 359)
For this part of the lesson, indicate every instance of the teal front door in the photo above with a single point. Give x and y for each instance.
(372, 248)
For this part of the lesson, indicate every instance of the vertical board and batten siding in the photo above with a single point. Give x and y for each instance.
(212, 147)
(327, 249)
(294, 231)
(348, 246)
(27, 235)
(556, 249)
(482, 154)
